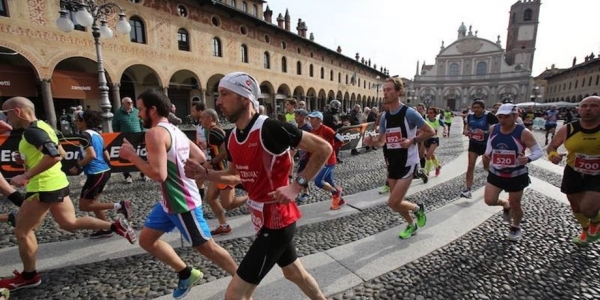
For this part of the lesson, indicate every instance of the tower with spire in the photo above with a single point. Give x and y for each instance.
(522, 32)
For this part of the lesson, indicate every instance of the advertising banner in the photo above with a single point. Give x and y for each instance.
(353, 135)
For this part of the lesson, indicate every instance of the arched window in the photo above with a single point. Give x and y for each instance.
(267, 60)
(233, 3)
(138, 32)
(284, 64)
(244, 7)
(254, 10)
(217, 50)
(527, 15)
(183, 42)
(331, 75)
(323, 74)
(244, 53)
(453, 71)
(481, 68)
(299, 68)
(346, 78)
(358, 82)
(339, 77)
(4, 9)
(311, 73)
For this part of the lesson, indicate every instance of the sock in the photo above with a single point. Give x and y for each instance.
(201, 193)
(436, 163)
(422, 162)
(596, 220)
(428, 166)
(29, 275)
(16, 198)
(113, 227)
(117, 206)
(185, 273)
(583, 220)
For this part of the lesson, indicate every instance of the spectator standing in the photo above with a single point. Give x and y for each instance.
(127, 120)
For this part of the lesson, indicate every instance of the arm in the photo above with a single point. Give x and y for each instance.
(106, 156)
(485, 158)
(557, 141)
(531, 143)
(173, 119)
(52, 154)
(319, 150)
(229, 176)
(425, 130)
(89, 154)
(157, 140)
(5, 127)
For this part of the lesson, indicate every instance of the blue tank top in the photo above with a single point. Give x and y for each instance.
(98, 164)
(479, 128)
(506, 148)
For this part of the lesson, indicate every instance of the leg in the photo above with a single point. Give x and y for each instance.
(215, 253)
(31, 215)
(396, 202)
(93, 205)
(64, 214)
(239, 289)
(150, 241)
(296, 273)
(516, 211)
(590, 205)
(471, 169)
(211, 197)
(490, 196)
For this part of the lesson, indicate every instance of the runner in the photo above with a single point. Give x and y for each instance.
(94, 164)
(259, 158)
(507, 164)
(448, 118)
(14, 196)
(398, 129)
(581, 178)
(301, 120)
(551, 118)
(477, 130)
(47, 189)
(433, 142)
(386, 187)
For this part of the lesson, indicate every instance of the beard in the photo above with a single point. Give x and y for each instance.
(147, 121)
(236, 112)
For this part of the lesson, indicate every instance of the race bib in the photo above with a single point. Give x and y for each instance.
(256, 214)
(504, 159)
(393, 136)
(478, 135)
(587, 164)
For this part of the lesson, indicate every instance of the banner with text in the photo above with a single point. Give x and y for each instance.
(353, 135)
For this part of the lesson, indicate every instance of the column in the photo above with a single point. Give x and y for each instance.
(116, 96)
(49, 103)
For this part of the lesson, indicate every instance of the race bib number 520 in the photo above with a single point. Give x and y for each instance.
(504, 158)
(587, 164)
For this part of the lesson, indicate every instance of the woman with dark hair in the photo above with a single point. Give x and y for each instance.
(93, 161)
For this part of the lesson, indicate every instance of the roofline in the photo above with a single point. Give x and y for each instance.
(575, 67)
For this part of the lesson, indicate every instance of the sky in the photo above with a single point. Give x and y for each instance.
(397, 33)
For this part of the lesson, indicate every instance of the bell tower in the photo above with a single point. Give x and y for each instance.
(522, 32)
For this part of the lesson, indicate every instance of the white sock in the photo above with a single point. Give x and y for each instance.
(117, 206)
(224, 225)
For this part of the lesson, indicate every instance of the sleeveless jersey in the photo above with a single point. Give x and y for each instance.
(262, 172)
(50, 180)
(479, 128)
(506, 149)
(396, 129)
(213, 148)
(448, 115)
(179, 193)
(98, 164)
(583, 147)
(435, 124)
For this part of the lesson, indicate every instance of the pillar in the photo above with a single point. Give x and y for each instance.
(116, 96)
(48, 103)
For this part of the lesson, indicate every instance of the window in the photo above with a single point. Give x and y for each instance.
(284, 64)
(597, 79)
(528, 15)
(137, 33)
(331, 75)
(182, 10)
(135, 1)
(267, 60)
(217, 50)
(589, 81)
(358, 83)
(453, 71)
(481, 68)
(311, 72)
(323, 74)
(4, 10)
(183, 40)
(244, 53)
(244, 7)
(346, 78)
(233, 4)
(339, 77)
(299, 68)
(283, 45)
(267, 39)
(254, 10)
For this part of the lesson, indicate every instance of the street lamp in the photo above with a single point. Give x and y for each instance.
(535, 93)
(377, 85)
(87, 13)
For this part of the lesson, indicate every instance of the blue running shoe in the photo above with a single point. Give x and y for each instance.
(185, 285)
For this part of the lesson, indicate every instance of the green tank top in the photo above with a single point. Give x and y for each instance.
(435, 124)
(448, 117)
(50, 180)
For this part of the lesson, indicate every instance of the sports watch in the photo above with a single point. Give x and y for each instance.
(301, 181)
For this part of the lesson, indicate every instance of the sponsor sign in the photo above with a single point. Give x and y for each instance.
(352, 136)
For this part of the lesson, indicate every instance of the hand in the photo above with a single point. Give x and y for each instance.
(523, 160)
(406, 143)
(127, 150)
(74, 170)
(19, 180)
(18, 158)
(557, 159)
(194, 170)
(286, 194)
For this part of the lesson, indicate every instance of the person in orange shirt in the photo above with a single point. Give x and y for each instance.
(324, 178)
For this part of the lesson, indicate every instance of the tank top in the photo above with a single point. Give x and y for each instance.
(397, 128)
(448, 116)
(98, 164)
(179, 193)
(435, 124)
(506, 149)
(479, 128)
(262, 172)
(583, 149)
(50, 180)
(215, 150)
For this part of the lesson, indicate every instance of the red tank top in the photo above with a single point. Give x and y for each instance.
(262, 172)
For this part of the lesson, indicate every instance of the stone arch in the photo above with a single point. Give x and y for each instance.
(38, 68)
(298, 93)
(322, 100)
(212, 91)
(109, 69)
(184, 85)
(330, 95)
(283, 92)
(311, 99)
(267, 96)
(339, 96)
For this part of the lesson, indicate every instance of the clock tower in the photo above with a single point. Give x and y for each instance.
(522, 33)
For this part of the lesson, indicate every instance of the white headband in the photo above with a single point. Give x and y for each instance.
(243, 85)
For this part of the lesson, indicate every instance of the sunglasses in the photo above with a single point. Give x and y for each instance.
(4, 112)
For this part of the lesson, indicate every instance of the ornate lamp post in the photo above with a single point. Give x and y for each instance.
(87, 14)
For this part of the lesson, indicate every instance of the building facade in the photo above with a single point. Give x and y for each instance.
(574, 84)
(181, 47)
(476, 68)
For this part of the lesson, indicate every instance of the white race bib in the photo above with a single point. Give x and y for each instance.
(256, 214)
(393, 136)
(587, 164)
(502, 159)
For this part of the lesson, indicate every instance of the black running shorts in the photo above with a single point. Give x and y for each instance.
(94, 185)
(510, 184)
(574, 182)
(478, 148)
(49, 197)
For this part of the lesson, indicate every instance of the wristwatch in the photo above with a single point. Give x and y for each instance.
(301, 181)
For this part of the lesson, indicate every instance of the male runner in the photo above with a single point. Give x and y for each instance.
(551, 118)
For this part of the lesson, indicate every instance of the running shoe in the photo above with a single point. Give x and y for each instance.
(409, 231)
(101, 234)
(506, 214)
(515, 233)
(384, 189)
(12, 218)
(582, 239)
(423, 176)
(335, 199)
(594, 231)
(125, 209)
(438, 170)
(466, 193)
(5, 293)
(185, 285)
(302, 197)
(420, 214)
(125, 230)
(221, 230)
(19, 282)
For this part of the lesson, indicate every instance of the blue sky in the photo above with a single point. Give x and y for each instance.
(397, 33)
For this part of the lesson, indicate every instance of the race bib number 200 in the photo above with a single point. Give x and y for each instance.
(393, 136)
(587, 164)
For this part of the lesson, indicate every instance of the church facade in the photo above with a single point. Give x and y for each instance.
(476, 68)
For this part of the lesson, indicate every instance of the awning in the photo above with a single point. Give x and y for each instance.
(17, 81)
(74, 85)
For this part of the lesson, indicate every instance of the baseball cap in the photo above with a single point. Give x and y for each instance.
(301, 112)
(507, 109)
(242, 84)
(316, 114)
